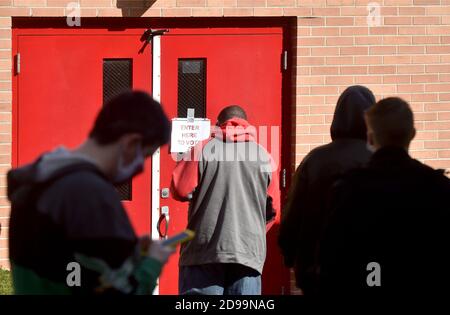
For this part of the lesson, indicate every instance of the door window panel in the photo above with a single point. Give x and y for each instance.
(117, 78)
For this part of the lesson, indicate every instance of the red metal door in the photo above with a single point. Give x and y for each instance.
(243, 67)
(59, 91)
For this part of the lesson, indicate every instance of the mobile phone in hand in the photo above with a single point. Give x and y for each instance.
(180, 238)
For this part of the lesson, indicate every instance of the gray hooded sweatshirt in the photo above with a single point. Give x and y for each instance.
(231, 184)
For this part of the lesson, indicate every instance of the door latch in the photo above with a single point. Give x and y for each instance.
(285, 60)
(283, 178)
(17, 62)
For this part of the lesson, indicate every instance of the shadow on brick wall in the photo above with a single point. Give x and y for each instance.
(134, 7)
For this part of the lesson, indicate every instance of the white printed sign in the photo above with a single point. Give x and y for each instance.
(187, 134)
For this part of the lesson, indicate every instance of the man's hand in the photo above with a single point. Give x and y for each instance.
(160, 252)
(155, 249)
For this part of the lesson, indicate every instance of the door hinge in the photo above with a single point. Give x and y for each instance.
(17, 63)
(283, 178)
(285, 60)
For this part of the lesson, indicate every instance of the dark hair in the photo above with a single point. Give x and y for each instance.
(230, 112)
(131, 112)
(392, 122)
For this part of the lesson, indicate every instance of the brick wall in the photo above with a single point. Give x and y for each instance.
(408, 55)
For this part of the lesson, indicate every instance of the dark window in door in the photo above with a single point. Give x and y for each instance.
(192, 87)
(117, 78)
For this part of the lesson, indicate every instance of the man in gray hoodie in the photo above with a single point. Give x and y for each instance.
(305, 214)
(231, 184)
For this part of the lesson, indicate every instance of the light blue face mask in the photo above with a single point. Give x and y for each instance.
(126, 172)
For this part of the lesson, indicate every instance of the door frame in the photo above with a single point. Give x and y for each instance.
(156, 157)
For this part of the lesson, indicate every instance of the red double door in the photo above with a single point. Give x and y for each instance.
(65, 75)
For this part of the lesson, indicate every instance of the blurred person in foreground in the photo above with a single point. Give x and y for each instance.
(65, 208)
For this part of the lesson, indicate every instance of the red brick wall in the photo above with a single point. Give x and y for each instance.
(408, 55)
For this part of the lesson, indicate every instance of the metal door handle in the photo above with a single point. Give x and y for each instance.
(164, 217)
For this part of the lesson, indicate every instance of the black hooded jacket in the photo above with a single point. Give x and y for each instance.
(305, 214)
(391, 216)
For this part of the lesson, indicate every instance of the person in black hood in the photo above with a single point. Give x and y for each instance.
(305, 214)
(388, 231)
